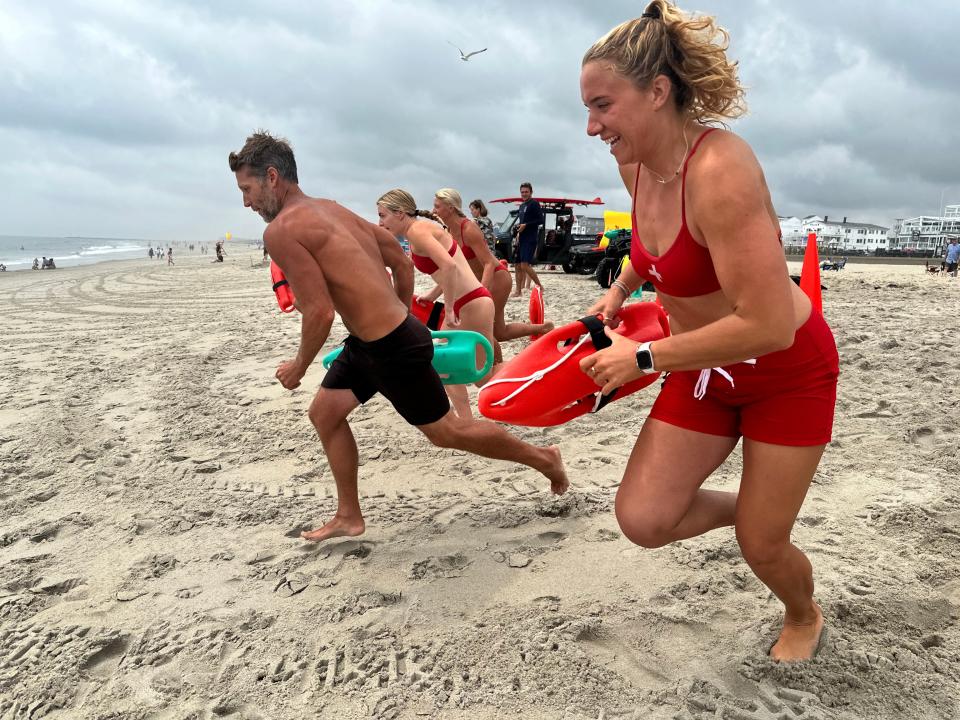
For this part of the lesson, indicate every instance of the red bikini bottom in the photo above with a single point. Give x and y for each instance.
(472, 295)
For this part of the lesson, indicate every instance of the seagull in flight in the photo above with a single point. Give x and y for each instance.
(466, 56)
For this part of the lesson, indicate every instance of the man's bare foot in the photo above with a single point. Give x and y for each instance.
(555, 472)
(516, 294)
(338, 527)
(799, 639)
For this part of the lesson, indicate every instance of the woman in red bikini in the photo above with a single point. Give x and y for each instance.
(748, 356)
(437, 254)
(448, 206)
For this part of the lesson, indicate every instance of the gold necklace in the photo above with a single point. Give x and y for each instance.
(686, 148)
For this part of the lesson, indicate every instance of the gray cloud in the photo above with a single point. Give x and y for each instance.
(116, 118)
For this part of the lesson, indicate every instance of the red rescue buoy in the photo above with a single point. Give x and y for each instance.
(544, 385)
(429, 313)
(537, 309)
(281, 287)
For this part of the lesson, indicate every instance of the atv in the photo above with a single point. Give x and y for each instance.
(612, 263)
(617, 249)
(585, 258)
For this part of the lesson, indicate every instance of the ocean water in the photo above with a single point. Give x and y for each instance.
(17, 252)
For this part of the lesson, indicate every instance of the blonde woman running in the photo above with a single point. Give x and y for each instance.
(747, 357)
(437, 254)
(447, 205)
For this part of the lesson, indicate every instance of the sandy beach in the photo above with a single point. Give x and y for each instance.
(155, 478)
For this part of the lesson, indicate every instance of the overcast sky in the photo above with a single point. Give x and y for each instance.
(116, 117)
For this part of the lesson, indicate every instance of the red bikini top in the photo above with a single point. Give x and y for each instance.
(425, 264)
(685, 269)
(468, 252)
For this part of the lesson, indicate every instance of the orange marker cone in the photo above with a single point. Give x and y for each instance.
(810, 274)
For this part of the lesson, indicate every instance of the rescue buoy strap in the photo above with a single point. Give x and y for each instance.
(280, 284)
(433, 322)
(594, 326)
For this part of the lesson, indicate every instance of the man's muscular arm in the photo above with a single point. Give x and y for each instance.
(400, 265)
(313, 300)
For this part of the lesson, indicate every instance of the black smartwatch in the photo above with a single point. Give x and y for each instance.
(645, 359)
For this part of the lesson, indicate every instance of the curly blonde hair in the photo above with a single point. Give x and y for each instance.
(690, 51)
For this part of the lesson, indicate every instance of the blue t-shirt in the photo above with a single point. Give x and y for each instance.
(531, 215)
(953, 253)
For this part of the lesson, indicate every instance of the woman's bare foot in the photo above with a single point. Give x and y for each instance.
(799, 639)
(556, 472)
(338, 527)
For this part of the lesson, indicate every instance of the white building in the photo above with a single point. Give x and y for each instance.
(926, 233)
(839, 236)
(583, 225)
(792, 230)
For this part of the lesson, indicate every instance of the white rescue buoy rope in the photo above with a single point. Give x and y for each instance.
(700, 389)
(538, 375)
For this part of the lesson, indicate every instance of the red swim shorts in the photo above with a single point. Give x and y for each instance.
(785, 398)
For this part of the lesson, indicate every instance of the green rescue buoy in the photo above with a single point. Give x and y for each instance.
(454, 356)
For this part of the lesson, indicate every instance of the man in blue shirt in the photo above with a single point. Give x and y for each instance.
(529, 220)
(953, 257)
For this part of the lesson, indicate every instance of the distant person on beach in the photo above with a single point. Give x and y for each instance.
(220, 252)
(36, 264)
(3, 268)
(150, 253)
(170, 256)
(480, 216)
(43, 266)
(334, 261)
(529, 220)
(953, 257)
(748, 355)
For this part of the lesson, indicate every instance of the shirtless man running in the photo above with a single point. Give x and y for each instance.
(334, 261)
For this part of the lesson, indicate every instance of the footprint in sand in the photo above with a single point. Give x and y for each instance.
(925, 436)
(444, 566)
(765, 702)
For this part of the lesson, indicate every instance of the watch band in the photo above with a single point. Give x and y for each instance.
(644, 353)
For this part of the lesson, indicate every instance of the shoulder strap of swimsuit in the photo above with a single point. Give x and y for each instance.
(683, 181)
(462, 223)
(633, 200)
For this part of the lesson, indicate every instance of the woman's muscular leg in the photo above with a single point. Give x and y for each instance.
(774, 484)
(503, 330)
(660, 500)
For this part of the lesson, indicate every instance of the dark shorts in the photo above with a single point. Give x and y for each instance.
(528, 249)
(951, 267)
(399, 367)
(786, 398)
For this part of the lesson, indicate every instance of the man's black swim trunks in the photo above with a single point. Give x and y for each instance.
(398, 366)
